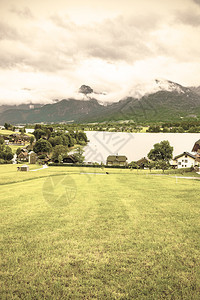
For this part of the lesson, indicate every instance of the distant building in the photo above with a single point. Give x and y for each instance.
(32, 157)
(116, 160)
(142, 163)
(23, 156)
(70, 160)
(186, 160)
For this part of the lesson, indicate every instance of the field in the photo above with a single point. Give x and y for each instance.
(67, 234)
(9, 132)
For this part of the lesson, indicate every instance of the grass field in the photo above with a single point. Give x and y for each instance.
(9, 132)
(67, 234)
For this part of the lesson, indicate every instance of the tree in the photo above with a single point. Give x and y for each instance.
(58, 140)
(79, 155)
(42, 146)
(81, 137)
(18, 151)
(31, 140)
(5, 152)
(151, 165)
(6, 125)
(154, 128)
(9, 155)
(58, 152)
(39, 133)
(161, 151)
(1, 140)
(22, 130)
(163, 165)
(38, 126)
(133, 165)
(165, 129)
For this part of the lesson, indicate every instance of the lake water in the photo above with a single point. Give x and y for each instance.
(133, 145)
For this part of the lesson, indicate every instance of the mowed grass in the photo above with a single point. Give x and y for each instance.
(125, 235)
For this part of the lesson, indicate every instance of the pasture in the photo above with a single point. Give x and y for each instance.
(67, 234)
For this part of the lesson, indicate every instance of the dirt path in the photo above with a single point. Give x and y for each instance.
(43, 167)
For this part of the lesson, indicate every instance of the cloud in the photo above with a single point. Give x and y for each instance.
(8, 32)
(22, 13)
(189, 17)
(54, 48)
(197, 1)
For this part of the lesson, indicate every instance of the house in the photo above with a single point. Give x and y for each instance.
(196, 147)
(23, 168)
(186, 160)
(32, 157)
(116, 160)
(23, 156)
(142, 163)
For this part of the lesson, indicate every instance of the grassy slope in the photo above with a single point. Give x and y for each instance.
(7, 132)
(118, 236)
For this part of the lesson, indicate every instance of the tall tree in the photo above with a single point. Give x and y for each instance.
(161, 152)
(78, 155)
(59, 151)
(42, 146)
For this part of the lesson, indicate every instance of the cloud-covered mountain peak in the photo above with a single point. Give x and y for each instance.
(166, 85)
(156, 85)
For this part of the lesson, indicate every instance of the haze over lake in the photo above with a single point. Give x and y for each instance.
(133, 145)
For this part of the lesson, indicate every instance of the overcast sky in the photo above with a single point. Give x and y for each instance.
(48, 48)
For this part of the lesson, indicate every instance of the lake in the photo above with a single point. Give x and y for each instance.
(133, 145)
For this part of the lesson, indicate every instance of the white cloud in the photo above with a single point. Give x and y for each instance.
(52, 50)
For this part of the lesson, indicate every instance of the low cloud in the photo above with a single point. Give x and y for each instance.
(189, 17)
(8, 32)
(23, 12)
(52, 55)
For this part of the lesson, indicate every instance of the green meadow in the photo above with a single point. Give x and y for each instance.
(78, 233)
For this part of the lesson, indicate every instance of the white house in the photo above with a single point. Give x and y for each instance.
(185, 160)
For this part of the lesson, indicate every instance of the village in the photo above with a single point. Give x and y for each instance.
(45, 146)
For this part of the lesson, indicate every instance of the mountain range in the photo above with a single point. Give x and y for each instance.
(167, 101)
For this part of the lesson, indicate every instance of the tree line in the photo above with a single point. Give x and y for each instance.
(58, 143)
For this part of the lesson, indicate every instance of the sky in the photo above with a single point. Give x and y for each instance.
(48, 48)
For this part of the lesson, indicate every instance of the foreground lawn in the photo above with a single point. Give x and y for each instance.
(67, 234)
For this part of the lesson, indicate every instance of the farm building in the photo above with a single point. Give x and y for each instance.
(23, 168)
(32, 158)
(116, 160)
(70, 160)
(186, 160)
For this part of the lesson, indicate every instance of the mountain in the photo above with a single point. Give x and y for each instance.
(196, 89)
(165, 101)
(65, 110)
